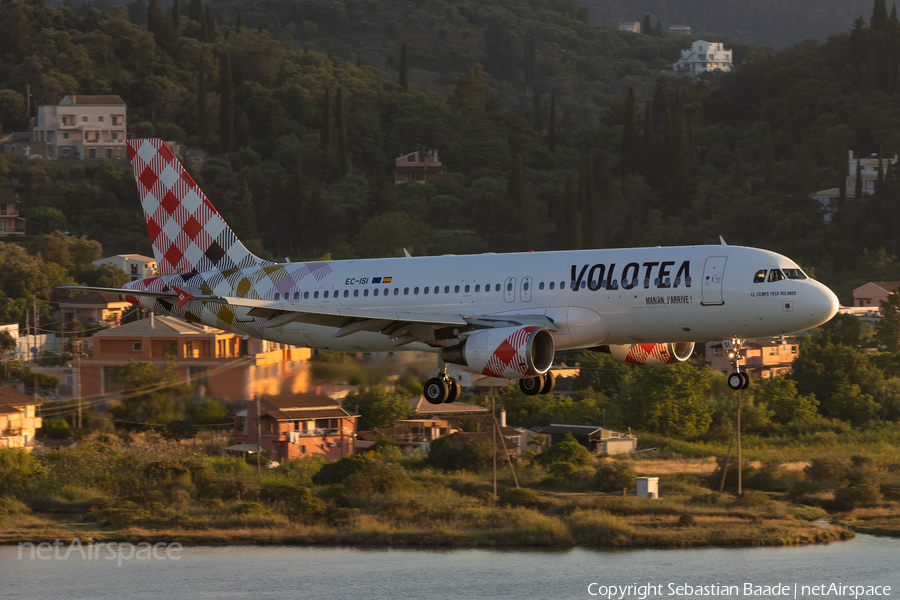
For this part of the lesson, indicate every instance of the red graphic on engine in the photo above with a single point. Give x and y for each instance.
(508, 355)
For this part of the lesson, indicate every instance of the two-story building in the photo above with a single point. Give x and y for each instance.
(94, 308)
(297, 425)
(704, 56)
(136, 266)
(222, 363)
(18, 418)
(868, 173)
(418, 166)
(11, 224)
(762, 357)
(83, 127)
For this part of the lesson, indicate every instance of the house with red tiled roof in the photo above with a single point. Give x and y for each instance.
(297, 425)
(18, 420)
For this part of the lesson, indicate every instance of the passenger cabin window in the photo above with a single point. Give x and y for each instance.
(315, 294)
(277, 296)
(305, 295)
(552, 285)
(760, 276)
(366, 292)
(794, 274)
(296, 295)
(456, 289)
(478, 287)
(467, 289)
(775, 275)
(541, 286)
(356, 293)
(325, 295)
(346, 293)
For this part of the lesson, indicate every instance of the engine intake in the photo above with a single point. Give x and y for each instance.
(651, 355)
(508, 352)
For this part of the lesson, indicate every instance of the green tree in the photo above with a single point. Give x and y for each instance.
(600, 372)
(631, 152)
(551, 124)
(824, 370)
(669, 400)
(327, 132)
(377, 408)
(340, 131)
(850, 403)
(566, 451)
(780, 396)
(202, 123)
(226, 105)
(404, 67)
(889, 327)
(151, 394)
(7, 342)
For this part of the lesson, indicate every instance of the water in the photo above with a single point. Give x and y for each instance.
(275, 572)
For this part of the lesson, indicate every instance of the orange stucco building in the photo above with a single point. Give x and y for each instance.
(762, 357)
(221, 363)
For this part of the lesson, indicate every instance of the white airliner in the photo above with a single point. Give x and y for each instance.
(503, 315)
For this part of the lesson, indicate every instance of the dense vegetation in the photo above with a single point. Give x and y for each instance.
(143, 487)
(556, 134)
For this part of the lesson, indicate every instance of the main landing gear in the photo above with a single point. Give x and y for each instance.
(442, 389)
(542, 384)
(738, 380)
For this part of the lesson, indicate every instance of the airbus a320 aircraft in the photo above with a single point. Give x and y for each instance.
(502, 315)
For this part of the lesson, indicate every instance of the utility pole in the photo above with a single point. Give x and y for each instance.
(740, 465)
(493, 441)
(258, 443)
(78, 381)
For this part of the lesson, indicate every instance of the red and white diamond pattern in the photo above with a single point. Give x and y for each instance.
(508, 355)
(641, 353)
(186, 232)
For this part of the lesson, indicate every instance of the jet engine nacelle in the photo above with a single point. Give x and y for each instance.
(652, 355)
(507, 352)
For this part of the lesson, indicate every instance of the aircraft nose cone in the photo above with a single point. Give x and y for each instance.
(822, 304)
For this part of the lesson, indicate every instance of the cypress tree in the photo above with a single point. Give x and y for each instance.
(238, 23)
(202, 125)
(176, 16)
(649, 144)
(570, 223)
(155, 19)
(226, 107)
(537, 111)
(195, 12)
(340, 130)
(630, 142)
(551, 124)
(647, 27)
(738, 180)
(529, 57)
(211, 33)
(858, 188)
(587, 202)
(259, 30)
(842, 189)
(404, 67)
(327, 123)
(879, 181)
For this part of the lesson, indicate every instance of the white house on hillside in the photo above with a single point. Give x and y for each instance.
(137, 266)
(704, 56)
(868, 171)
(82, 127)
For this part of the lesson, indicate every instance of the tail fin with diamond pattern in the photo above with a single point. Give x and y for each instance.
(188, 235)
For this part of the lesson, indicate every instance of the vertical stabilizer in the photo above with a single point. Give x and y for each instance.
(188, 235)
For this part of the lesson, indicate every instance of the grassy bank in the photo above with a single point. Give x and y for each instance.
(149, 489)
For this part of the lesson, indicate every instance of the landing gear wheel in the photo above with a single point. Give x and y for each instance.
(746, 381)
(549, 382)
(435, 391)
(531, 386)
(736, 381)
(453, 391)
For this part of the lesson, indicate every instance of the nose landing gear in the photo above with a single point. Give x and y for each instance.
(738, 380)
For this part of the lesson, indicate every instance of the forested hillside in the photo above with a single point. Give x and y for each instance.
(776, 24)
(556, 134)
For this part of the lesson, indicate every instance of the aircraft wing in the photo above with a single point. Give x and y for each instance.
(402, 326)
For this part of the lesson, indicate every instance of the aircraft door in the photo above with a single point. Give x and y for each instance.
(713, 272)
(527, 282)
(509, 289)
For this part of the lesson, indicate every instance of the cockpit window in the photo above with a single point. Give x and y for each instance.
(776, 275)
(794, 274)
(760, 276)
